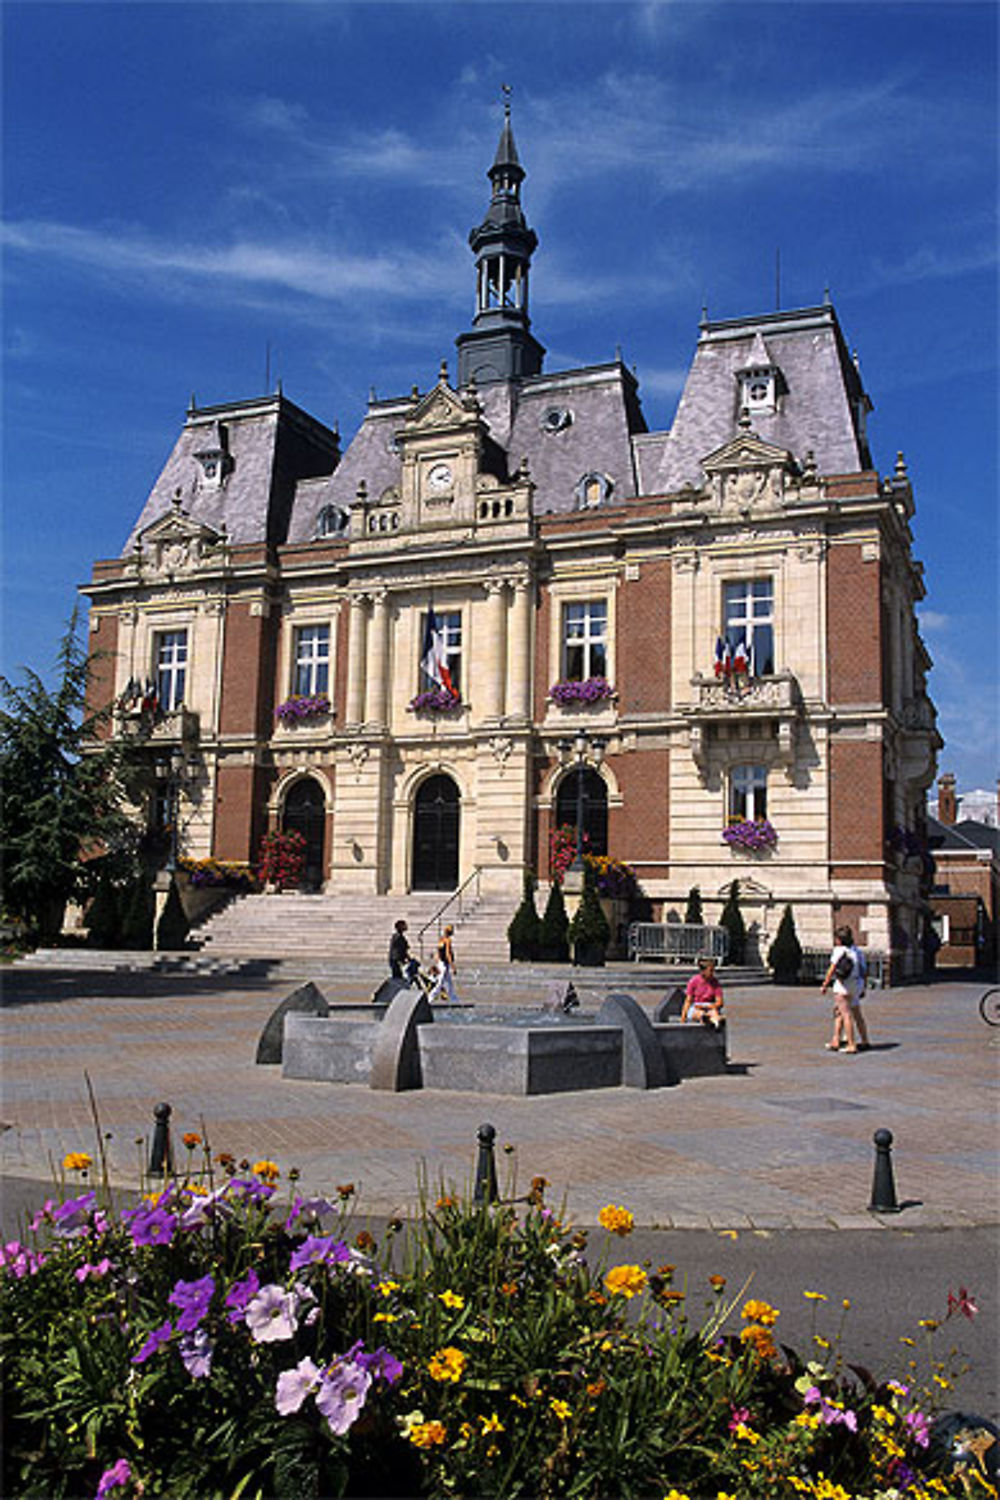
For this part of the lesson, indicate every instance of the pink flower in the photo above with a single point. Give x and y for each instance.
(96, 1271)
(113, 1479)
(740, 1417)
(962, 1302)
(919, 1428)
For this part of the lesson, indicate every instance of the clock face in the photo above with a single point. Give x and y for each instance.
(439, 477)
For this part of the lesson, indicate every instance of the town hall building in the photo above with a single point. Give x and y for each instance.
(507, 597)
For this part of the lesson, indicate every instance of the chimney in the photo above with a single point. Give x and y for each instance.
(947, 801)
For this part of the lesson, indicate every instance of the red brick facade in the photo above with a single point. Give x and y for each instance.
(856, 832)
(854, 627)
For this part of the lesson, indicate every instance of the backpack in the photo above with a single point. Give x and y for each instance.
(844, 967)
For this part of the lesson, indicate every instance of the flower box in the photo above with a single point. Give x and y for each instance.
(591, 690)
(436, 701)
(295, 709)
(751, 836)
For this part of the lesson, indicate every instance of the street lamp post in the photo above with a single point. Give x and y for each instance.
(172, 771)
(586, 748)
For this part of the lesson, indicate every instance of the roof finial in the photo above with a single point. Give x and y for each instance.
(506, 90)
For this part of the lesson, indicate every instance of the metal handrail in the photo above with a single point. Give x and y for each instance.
(435, 920)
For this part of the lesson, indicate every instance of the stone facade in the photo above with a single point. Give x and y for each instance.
(555, 540)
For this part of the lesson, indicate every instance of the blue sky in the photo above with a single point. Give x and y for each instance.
(186, 184)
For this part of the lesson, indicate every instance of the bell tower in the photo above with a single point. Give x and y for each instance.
(500, 345)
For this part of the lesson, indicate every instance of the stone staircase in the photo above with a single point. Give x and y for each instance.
(302, 928)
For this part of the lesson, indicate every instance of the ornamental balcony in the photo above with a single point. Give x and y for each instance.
(153, 726)
(743, 700)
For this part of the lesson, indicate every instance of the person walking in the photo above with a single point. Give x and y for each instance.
(842, 976)
(446, 968)
(401, 964)
(861, 969)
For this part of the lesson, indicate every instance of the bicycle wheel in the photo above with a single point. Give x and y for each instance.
(989, 1007)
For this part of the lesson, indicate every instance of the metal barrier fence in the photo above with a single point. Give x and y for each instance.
(676, 942)
(816, 961)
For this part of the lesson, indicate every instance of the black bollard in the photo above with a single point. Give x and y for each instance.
(161, 1157)
(486, 1170)
(883, 1186)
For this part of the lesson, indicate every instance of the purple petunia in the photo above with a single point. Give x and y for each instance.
(113, 1479)
(154, 1227)
(71, 1218)
(196, 1350)
(158, 1336)
(193, 1298)
(751, 834)
(95, 1271)
(316, 1248)
(18, 1261)
(302, 708)
(308, 1211)
(435, 701)
(272, 1315)
(251, 1192)
(590, 690)
(380, 1364)
(240, 1293)
(295, 1385)
(342, 1394)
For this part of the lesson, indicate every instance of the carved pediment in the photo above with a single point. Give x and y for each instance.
(174, 543)
(441, 407)
(747, 473)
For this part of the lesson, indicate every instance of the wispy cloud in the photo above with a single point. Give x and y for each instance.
(932, 620)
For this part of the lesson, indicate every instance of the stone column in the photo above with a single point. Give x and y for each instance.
(378, 660)
(491, 660)
(356, 661)
(519, 651)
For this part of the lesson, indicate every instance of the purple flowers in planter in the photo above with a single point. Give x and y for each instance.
(751, 835)
(591, 690)
(296, 708)
(435, 701)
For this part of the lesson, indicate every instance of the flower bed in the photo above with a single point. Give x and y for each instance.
(210, 1342)
(752, 835)
(591, 690)
(282, 859)
(435, 701)
(231, 874)
(294, 709)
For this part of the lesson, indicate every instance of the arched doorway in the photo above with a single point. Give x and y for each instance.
(436, 817)
(305, 812)
(595, 808)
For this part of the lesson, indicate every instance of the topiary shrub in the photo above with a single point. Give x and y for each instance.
(732, 921)
(785, 953)
(137, 917)
(555, 926)
(173, 928)
(694, 914)
(524, 934)
(589, 931)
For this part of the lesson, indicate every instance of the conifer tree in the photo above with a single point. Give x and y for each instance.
(694, 914)
(785, 953)
(555, 926)
(525, 931)
(589, 931)
(732, 920)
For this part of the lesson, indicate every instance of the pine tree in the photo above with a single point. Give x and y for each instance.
(555, 926)
(589, 931)
(525, 931)
(785, 953)
(694, 913)
(732, 920)
(62, 791)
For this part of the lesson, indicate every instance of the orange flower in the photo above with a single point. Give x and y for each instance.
(627, 1281)
(267, 1171)
(616, 1220)
(345, 1190)
(759, 1339)
(447, 1365)
(427, 1434)
(191, 1139)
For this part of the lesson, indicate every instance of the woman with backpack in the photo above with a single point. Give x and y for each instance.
(844, 974)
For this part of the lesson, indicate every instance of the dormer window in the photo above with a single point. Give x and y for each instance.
(593, 490)
(759, 389)
(214, 460)
(331, 521)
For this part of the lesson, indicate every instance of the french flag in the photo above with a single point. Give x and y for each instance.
(720, 656)
(434, 657)
(741, 658)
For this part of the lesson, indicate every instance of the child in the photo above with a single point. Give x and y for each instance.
(703, 996)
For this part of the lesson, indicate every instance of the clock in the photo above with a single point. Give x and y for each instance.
(439, 478)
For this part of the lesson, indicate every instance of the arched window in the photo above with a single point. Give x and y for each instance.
(304, 812)
(331, 521)
(436, 822)
(586, 785)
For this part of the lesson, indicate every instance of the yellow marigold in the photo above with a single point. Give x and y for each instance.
(616, 1220)
(944, 1384)
(447, 1364)
(883, 1414)
(386, 1288)
(825, 1489)
(816, 1296)
(562, 1409)
(760, 1340)
(676, 1495)
(191, 1138)
(509, 1288)
(491, 1423)
(929, 1323)
(627, 1281)
(597, 1387)
(427, 1434)
(451, 1299)
(746, 1434)
(445, 1202)
(385, 1318)
(756, 1311)
(77, 1161)
(266, 1170)
(808, 1419)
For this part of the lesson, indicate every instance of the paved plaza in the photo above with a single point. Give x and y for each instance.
(783, 1141)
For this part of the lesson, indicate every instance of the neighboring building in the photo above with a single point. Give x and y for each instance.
(981, 806)
(554, 540)
(965, 897)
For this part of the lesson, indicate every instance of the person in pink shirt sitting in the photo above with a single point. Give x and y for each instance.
(703, 996)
